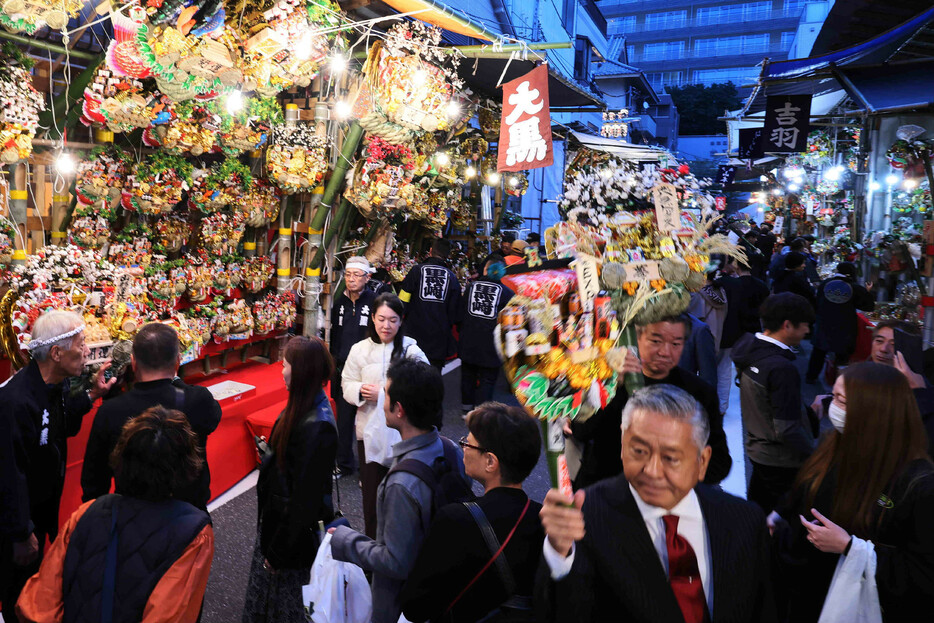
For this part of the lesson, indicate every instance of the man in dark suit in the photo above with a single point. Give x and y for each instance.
(658, 546)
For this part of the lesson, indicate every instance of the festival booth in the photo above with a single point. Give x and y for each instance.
(858, 174)
(210, 165)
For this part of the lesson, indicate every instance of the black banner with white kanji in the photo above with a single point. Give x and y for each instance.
(787, 123)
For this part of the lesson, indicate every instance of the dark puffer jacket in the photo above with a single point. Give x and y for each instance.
(150, 537)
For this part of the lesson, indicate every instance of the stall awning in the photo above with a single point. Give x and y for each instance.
(446, 17)
(890, 88)
(821, 74)
(482, 75)
(627, 151)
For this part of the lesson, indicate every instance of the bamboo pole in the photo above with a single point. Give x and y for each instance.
(487, 51)
(336, 225)
(45, 45)
(349, 148)
(19, 196)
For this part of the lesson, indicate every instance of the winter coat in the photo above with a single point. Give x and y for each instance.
(709, 305)
(838, 298)
(779, 431)
(431, 293)
(367, 364)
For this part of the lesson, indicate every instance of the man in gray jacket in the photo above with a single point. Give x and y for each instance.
(414, 396)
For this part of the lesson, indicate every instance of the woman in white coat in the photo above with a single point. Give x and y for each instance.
(363, 379)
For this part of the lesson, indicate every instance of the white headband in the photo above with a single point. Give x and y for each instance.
(34, 344)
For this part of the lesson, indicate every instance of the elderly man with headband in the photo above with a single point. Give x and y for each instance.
(38, 412)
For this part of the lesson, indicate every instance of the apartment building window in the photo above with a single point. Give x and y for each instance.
(795, 5)
(663, 50)
(725, 46)
(630, 53)
(737, 75)
(746, 12)
(661, 79)
(787, 39)
(582, 59)
(621, 25)
(663, 21)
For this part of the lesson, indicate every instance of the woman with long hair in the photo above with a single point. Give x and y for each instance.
(294, 488)
(363, 379)
(870, 478)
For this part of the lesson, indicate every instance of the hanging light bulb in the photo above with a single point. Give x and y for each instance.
(342, 110)
(235, 102)
(513, 181)
(891, 179)
(909, 184)
(793, 188)
(493, 178)
(470, 173)
(454, 109)
(419, 77)
(777, 192)
(442, 159)
(338, 64)
(65, 163)
(874, 185)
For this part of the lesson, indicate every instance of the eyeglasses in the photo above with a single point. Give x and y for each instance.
(355, 275)
(466, 444)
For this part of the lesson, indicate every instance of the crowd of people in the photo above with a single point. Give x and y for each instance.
(645, 534)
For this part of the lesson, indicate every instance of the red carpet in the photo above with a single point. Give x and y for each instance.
(231, 450)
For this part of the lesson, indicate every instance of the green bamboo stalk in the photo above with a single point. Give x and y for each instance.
(351, 141)
(627, 339)
(49, 47)
(336, 225)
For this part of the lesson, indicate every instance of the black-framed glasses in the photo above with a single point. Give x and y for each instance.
(466, 444)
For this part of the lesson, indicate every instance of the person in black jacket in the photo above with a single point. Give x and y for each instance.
(660, 347)
(479, 312)
(294, 488)
(779, 431)
(431, 293)
(792, 278)
(350, 317)
(445, 584)
(38, 412)
(869, 479)
(155, 364)
(766, 241)
(838, 299)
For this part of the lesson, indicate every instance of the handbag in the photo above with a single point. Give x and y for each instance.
(337, 592)
(516, 607)
(853, 596)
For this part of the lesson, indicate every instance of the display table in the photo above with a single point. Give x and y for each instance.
(260, 423)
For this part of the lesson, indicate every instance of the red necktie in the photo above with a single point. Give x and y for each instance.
(683, 574)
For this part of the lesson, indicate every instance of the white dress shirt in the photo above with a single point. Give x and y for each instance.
(691, 526)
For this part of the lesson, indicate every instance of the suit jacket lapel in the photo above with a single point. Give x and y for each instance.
(656, 594)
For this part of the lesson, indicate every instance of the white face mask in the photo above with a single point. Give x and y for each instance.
(837, 416)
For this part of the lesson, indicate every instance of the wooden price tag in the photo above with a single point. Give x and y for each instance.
(667, 211)
(588, 280)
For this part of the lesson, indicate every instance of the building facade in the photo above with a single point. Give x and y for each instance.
(677, 42)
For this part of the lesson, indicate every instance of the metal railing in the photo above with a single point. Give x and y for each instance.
(673, 24)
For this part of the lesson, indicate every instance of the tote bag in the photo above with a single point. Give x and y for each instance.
(378, 439)
(853, 596)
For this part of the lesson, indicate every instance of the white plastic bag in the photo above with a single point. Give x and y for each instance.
(378, 439)
(853, 596)
(337, 591)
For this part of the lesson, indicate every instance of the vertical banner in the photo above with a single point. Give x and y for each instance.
(787, 123)
(525, 132)
(720, 202)
(725, 175)
(750, 143)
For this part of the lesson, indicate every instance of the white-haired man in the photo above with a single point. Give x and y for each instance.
(659, 545)
(38, 412)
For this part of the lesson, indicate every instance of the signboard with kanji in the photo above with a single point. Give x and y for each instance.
(725, 175)
(667, 212)
(787, 123)
(525, 132)
(750, 143)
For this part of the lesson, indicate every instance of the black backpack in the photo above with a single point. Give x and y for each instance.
(442, 476)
